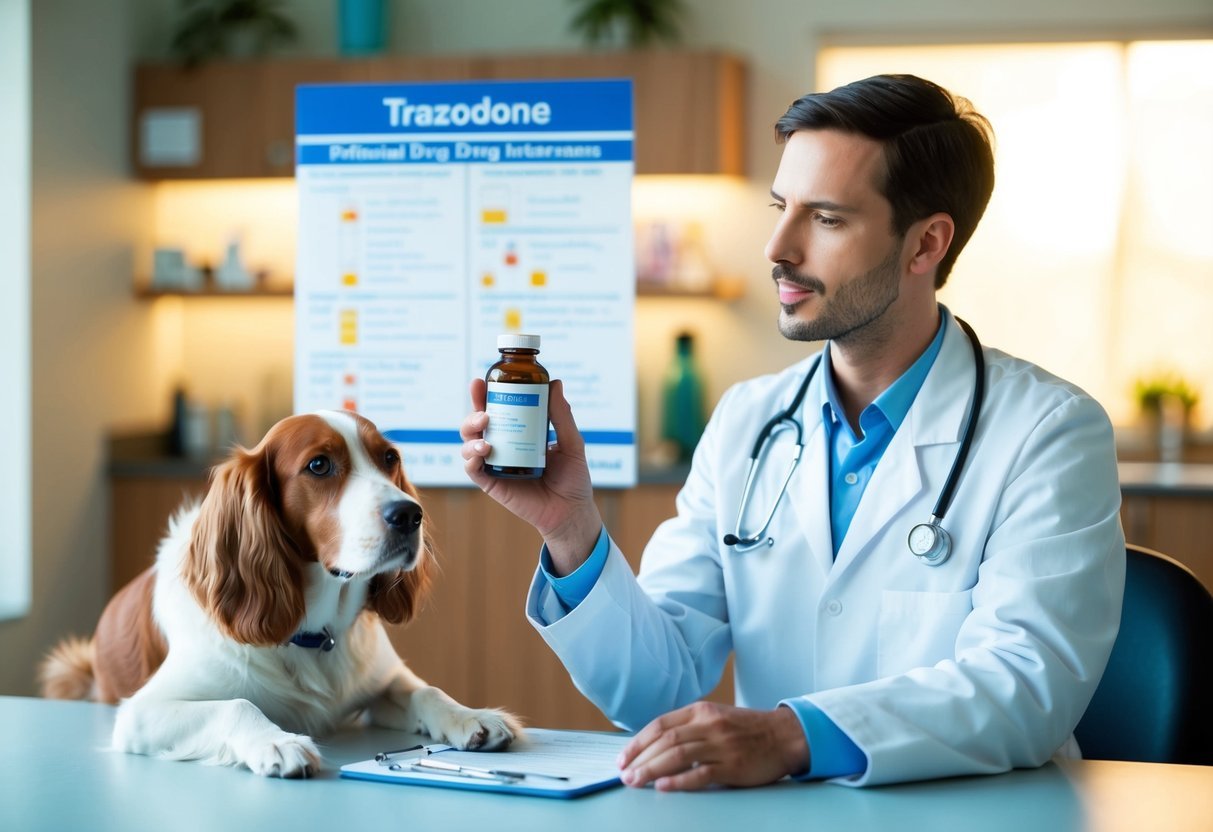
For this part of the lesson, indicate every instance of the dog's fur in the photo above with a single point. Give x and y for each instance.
(316, 528)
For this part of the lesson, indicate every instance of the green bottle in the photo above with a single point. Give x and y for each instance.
(682, 417)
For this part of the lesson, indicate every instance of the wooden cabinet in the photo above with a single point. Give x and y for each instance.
(689, 106)
(140, 509)
(1178, 526)
(472, 638)
(246, 113)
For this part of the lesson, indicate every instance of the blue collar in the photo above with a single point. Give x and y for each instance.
(323, 640)
(894, 402)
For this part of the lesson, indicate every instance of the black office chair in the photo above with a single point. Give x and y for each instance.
(1155, 702)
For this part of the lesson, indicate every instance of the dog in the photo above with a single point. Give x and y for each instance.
(261, 622)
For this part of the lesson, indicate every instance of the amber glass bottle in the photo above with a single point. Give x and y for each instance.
(517, 405)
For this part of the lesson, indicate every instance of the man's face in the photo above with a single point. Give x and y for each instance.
(838, 264)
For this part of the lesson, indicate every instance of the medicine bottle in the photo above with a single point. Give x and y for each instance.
(517, 405)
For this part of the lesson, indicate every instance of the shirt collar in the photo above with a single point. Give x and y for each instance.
(894, 403)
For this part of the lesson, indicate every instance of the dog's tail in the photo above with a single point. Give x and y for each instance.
(67, 671)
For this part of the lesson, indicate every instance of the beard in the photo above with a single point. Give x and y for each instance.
(853, 307)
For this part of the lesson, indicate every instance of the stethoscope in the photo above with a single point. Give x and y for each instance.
(930, 541)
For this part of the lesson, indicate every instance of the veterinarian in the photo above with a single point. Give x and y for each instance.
(933, 587)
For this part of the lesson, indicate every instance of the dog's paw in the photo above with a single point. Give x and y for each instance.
(480, 730)
(286, 755)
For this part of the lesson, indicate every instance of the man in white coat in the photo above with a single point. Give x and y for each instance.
(862, 654)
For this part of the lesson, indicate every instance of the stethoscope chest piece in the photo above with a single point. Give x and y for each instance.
(930, 543)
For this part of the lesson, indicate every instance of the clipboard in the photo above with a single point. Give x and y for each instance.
(541, 763)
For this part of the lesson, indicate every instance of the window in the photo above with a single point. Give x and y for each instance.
(15, 519)
(1095, 256)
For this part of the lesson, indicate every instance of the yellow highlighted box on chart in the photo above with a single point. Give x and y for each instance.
(348, 326)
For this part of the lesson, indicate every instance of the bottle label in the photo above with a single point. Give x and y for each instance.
(518, 424)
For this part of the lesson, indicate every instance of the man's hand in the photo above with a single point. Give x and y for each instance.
(560, 505)
(705, 744)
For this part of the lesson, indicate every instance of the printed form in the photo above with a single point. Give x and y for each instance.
(544, 763)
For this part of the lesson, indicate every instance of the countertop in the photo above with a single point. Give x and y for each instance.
(145, 456)
(56, 774)
(1176, 479)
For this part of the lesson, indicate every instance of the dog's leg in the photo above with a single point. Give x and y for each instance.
(222, 732)
(409, 704)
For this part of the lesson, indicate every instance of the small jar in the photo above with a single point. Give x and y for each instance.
(517, 406)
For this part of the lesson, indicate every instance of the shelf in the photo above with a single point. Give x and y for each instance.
(723, 288)
(146, 293)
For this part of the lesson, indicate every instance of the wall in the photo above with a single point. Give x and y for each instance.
(89, 339)
(95, 351)
(779, 40)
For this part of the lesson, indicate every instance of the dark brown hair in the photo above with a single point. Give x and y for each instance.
(938, 150)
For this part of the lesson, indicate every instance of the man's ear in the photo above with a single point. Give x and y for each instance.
(929, 240)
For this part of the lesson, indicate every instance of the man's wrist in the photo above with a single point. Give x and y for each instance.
(571, 543)
(792, 742)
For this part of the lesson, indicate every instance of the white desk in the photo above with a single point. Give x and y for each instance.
(56, 775)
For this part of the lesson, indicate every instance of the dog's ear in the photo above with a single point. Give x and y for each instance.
(397, 596)
(242, 566)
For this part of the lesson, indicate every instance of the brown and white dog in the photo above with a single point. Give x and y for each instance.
(261, 622)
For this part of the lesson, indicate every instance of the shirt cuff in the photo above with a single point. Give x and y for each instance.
(575, 586)
(831, 752)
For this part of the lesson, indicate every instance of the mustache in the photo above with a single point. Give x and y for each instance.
(782, 271)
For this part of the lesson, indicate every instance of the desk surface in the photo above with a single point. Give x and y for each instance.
(55, 774)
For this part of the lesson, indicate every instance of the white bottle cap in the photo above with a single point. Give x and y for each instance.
(514, 341)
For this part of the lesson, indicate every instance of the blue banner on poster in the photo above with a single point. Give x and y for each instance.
(469, 107)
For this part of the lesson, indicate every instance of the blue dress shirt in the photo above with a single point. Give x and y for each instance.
(853, 460)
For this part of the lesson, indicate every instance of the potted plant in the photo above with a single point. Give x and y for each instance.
(1166, 401)
(634, 23)
(1150, 392)
(238, 28)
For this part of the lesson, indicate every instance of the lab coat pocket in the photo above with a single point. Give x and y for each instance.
(918, 629)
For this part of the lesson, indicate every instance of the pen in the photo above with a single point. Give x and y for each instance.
(385, 756)
(474, 771)
(457, 771)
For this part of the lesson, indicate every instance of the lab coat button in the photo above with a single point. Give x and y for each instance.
(834, 608)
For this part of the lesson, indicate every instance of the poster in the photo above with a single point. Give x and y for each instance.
(434, 217)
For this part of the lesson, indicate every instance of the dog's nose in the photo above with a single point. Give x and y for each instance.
(402, 516)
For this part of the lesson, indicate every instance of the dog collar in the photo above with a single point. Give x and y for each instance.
(323, 640)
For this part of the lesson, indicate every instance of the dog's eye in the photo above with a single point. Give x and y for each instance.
(392, 458)
(321, 466)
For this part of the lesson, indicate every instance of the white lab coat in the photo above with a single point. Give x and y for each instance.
(979, 665)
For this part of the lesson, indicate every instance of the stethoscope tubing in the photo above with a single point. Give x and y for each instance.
(979, 393)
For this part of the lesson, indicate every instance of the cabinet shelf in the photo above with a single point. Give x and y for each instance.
(722, 288)
(148, 293)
